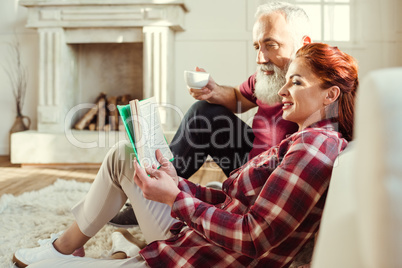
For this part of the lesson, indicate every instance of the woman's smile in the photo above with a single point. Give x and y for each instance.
(287, 105)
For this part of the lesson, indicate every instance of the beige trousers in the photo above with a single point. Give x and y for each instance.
(112, 186)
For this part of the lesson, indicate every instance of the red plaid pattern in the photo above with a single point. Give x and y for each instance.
(268, 209)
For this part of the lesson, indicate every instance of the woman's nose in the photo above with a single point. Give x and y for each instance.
(283, 91)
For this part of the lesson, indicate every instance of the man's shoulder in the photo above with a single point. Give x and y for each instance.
(249, 83)
(247, 88)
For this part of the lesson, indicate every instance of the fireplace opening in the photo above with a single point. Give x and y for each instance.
(107, 74)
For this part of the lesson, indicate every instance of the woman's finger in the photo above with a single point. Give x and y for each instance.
(161, 159)
(140, 172)
(153, 172)
(137, 181)
(136, 178)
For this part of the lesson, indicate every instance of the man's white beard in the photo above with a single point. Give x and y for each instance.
(268, 86)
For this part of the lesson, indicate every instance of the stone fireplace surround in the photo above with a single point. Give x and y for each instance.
(63, 24)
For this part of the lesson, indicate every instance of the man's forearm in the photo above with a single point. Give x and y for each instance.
(231, 98)
(225, 96)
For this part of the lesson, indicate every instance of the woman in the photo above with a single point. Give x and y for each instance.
(268, 208)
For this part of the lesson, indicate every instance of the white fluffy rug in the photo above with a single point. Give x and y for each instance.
(35, 215)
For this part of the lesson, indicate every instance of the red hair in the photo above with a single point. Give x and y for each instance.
(335, 68)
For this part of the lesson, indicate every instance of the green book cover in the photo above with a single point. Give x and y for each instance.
(151, 135)
(125, 114)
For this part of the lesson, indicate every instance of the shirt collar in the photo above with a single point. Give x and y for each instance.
(328, 124)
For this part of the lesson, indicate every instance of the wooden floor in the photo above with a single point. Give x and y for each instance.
(15, 179)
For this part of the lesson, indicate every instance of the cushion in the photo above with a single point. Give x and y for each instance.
(379, 168)
(362, 219)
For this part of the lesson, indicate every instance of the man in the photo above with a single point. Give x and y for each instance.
(210, 127)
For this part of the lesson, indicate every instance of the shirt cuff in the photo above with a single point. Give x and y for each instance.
(184, 207)
(182, 185)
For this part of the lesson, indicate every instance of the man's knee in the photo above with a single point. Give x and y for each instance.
(207, 116)
(208, 110)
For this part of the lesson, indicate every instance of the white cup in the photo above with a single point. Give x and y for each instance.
(196, 80)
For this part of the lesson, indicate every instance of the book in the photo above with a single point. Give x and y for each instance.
(143, 126)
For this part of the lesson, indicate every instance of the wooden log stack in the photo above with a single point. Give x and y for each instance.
(104, 115)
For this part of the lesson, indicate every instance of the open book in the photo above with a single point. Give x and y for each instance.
(142, 122)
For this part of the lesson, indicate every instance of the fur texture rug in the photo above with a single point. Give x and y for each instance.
(26, 218)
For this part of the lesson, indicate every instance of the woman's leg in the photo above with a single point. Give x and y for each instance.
(71, 240)
(103, 201)
(113, 184)
(136, 262)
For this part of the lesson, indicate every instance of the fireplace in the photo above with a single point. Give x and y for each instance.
(92, 46)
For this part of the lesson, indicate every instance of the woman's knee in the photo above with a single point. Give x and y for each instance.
(119, 159)
(122, 151)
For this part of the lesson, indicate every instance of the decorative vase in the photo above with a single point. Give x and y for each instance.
(20, 125)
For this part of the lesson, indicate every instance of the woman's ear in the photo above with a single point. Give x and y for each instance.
(306, 40)
(332, 95)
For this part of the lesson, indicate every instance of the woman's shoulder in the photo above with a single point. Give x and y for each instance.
(319, 131)
(324, 128)
(319, 143)
(317, 136)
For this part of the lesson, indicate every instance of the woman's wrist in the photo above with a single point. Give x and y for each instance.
(173, 198)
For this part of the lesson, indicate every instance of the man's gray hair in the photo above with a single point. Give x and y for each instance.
(295, 16)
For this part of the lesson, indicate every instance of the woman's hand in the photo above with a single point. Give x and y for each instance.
(159, 185)
(166, 166)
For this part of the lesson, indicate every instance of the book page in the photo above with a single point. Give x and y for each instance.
(152, 137)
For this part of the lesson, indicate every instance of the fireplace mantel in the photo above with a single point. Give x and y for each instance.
(105, 13)
(61, 24)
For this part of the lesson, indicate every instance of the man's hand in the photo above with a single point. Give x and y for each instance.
(158, 186)
(206, 92)
(227, 96)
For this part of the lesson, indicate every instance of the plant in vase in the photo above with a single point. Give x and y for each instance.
(18, 76)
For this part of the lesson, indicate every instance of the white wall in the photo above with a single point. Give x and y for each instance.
(217, 38)
(378, 34)
(12, 24)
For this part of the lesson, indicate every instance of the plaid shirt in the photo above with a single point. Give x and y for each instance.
(268, 209)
